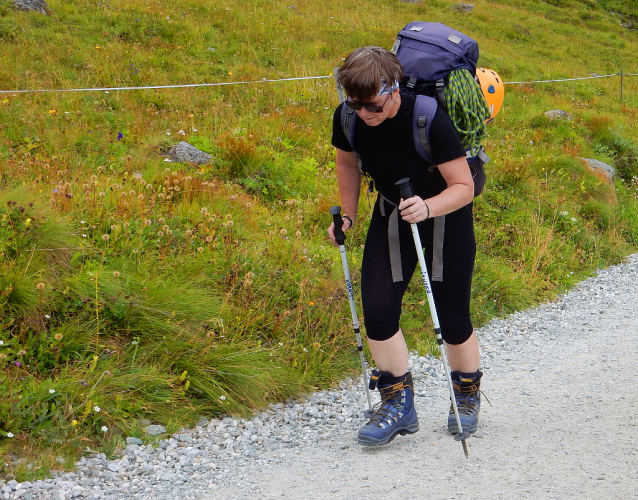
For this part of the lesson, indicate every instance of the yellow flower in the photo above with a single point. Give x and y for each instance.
(53, 112)
(74, 423)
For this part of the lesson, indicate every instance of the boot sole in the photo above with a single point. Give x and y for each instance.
(454, 429)
(368, 441)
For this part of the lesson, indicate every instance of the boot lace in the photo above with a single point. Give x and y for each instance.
(390, 408)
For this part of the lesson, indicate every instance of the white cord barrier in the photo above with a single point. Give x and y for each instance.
(264, 80)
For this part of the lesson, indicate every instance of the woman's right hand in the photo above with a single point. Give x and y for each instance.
(344, 227)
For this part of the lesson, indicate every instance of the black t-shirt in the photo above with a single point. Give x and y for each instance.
(388, 154)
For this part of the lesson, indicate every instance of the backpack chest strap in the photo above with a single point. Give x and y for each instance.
(395, 247)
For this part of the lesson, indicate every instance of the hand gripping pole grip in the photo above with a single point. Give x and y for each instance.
(340, 237)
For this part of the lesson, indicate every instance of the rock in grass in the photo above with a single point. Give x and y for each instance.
(155, 430)
(132, 440)
(464, 7)
(187, 153)
(603, 171)
(32, 6)
(555, 114)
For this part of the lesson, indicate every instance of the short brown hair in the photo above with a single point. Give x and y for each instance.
(364, 69)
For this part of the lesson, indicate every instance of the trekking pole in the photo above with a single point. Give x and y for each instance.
(340, 238)
(406, 192)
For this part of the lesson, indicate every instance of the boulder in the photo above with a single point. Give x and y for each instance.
(463, 7)
(556, 114)
(603, 171)
(186, 153)
(33, 6)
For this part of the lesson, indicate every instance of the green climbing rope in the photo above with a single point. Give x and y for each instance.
(467, 108)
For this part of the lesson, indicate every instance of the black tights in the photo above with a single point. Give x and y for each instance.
(382, 299)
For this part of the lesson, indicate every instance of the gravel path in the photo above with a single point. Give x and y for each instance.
(562, 385)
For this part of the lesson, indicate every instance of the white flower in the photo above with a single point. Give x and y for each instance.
(51, 391)
(9, 434)
(181, 132)
(1, 342)
(104, 428)
(96, 409)
(222, 398)
(47, 316)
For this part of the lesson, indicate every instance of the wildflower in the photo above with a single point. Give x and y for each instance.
(47, 316)
(18, 364)
(223, 398)
(116, 274)
(53, 112)
(160, 233)
(283, 232)
(203, 210)
(114, 227)
(40, 286)
(74, 423)
(58, 336)
(104, 428)
(51, 391)
(200, 249)
(3, 356)
(311, 303)
(9, 434)
(230, 223)
(106, 237)
(96, 409)
(22, 352)
(1, 342)
(209, 239)
(119, 136)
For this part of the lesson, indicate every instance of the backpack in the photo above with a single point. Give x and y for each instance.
(439, 65)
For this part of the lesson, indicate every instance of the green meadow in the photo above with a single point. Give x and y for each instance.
(136, 290)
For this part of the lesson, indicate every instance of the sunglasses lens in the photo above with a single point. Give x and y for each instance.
(372, 108)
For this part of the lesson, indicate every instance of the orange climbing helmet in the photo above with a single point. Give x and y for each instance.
(493, 89)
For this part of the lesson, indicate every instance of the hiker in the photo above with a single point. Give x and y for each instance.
(386, 150)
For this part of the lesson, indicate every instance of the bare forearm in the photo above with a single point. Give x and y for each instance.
(349, 180)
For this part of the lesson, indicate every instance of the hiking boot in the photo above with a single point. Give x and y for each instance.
(396, 413)
(468, 401)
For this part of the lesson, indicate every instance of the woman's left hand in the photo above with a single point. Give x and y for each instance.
(414, 210)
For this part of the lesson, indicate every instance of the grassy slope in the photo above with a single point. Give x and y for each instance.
(168, 290)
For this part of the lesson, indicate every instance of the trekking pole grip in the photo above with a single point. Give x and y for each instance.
(405, 190)
(340, 237)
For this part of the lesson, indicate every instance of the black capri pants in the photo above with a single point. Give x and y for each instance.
(382, 298)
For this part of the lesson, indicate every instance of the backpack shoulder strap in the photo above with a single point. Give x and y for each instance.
(424, 111)
(349, 124)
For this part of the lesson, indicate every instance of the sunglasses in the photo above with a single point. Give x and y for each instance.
(373, 108)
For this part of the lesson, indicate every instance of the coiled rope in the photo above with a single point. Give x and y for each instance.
(467, 108)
